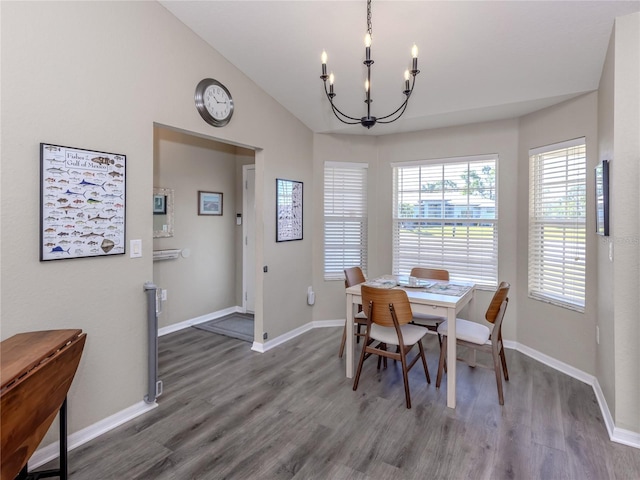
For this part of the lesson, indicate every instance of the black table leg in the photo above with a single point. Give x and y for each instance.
(59, 472)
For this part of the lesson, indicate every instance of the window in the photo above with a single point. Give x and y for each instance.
(557, 217)
(345, 218)
(445, 216)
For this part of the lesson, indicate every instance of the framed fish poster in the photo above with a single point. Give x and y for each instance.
(82, 203)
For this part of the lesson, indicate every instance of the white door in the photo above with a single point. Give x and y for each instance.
(249, 238)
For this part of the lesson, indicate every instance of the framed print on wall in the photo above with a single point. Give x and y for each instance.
(602, 198)
(209, 203)
(82, 203)
(288, 210)
(159, 204)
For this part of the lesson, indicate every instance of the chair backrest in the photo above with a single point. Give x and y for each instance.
(497, 307)
(377, 301)
(498, 297)
(353, 276)
(430, 273)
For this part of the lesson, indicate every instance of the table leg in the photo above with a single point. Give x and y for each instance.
(350, 336)
(451, 358)
(471, 352)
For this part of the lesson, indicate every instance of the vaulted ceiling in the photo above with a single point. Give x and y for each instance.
(479, 60)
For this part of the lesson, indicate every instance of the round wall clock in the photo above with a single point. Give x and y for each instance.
(214, 102)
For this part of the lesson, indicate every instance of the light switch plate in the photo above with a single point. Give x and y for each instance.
(136, 248)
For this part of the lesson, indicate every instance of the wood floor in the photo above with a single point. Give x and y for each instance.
(290, 413)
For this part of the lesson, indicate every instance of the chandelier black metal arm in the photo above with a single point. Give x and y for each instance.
(369, 121)
(336, 111)
(402, 107)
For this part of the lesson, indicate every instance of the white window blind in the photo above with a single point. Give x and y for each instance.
(445, 216)
(345, 218)
(557, 218)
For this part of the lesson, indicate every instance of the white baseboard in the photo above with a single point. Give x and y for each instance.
(551, 362)
(195, 321)
(265, 347)
(52, 451)
(618, 435)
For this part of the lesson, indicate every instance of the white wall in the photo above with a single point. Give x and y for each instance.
(491, 137)
(330, 303)
(625, 221)
(605, 351)
(98, 75)
(563, 334)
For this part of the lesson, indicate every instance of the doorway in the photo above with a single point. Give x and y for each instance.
(207, 279)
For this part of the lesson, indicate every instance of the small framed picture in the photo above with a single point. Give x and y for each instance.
(209, 203)
(602, 198)
(159, 205)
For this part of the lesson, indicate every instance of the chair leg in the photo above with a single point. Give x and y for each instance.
(344, 340)
(383, 346)
(504, 364)
(362, 355)
(440, 342)
(441, 364)
(424, 361)
(358, 330)
(405, 377)
(496, 367)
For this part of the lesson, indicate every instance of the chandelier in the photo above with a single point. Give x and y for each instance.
(369, 121)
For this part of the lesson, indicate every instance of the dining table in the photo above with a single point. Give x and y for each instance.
(440, 298)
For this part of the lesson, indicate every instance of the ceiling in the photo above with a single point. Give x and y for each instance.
(479, 60)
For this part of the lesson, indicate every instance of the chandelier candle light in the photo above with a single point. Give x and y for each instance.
(370, 121)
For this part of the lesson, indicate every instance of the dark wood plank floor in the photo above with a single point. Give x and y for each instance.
(290, 413)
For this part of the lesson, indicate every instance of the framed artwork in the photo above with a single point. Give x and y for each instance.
(82, 203)
(159, 204)
(209, 203)
(602, 198)
(288, 210)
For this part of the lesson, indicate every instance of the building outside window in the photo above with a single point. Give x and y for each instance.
(445, 216)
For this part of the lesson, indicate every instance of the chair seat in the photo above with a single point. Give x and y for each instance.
(410, 334)
(360, 316)
(429, 321)
(468, 331)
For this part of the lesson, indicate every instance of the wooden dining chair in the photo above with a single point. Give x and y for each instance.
(430, 321)
(480, 337)
(388, 317)
(353, 276)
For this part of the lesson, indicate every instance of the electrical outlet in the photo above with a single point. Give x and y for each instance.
(164, 295)
(597, 334)
(265, 335)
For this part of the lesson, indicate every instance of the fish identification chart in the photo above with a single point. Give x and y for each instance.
(82, 209)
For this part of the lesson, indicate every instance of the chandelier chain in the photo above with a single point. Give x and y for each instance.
(369, 30)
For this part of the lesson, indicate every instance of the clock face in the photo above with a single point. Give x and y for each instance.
(214, 102)
(217, 102)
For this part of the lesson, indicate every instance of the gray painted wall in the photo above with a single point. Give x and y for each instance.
(87, 75)
(106, 87)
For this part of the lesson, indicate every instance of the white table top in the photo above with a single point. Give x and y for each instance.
(425, 295)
